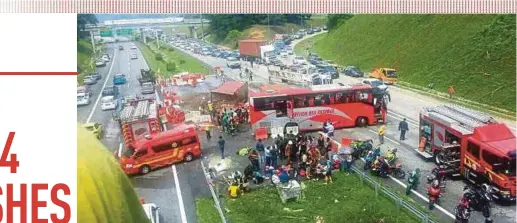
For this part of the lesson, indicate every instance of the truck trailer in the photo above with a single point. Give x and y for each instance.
(250, 48)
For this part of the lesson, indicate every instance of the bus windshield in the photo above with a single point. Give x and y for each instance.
(129, 152)
(508, 167)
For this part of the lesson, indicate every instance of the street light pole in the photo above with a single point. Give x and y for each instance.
(157, 40)
(93, 41)
(202, 30)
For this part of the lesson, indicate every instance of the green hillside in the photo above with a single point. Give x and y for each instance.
(85, 62)
(475, 53)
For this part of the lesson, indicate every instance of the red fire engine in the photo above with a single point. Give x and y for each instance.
(470, 144)
(138, 119)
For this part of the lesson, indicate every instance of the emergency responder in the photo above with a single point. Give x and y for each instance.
(95, 165)
(403, 128)
(382, 132)
(207, 130)
(234, 190)
(220, 145)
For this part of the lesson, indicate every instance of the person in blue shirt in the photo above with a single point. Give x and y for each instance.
(261, 149)
(284, 177)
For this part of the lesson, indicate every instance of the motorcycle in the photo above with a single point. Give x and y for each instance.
(479, 199)
(462, 211)
(391, 155)
(382, 168)
(413, 180)
(361, 148)
(438, 173)
(434, 192)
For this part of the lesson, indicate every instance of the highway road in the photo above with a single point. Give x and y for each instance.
(405, 104)
(165, 187)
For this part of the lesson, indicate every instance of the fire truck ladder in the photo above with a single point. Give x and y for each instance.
(467, 118)
(142, 110)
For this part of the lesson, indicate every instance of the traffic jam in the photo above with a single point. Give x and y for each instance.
(459, 161)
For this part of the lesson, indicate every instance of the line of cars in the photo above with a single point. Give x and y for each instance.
(133, 55)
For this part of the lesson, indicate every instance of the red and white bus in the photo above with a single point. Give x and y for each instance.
(344, 105)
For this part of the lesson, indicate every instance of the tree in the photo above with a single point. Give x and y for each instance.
(335, 19)
(82, 21)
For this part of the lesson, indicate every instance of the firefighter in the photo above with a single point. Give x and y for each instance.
(207, 130)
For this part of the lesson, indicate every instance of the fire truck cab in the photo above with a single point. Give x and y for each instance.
(470, 144)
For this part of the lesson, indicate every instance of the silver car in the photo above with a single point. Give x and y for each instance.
(90, 80)
(147, 88)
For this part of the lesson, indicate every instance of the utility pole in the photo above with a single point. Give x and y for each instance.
(144, 36)
(202, 30)
(157, 40)
(93, 41)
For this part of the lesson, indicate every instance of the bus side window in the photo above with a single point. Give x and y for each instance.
(299, 102)
(140, 153)
(311, 101)
(331, 99)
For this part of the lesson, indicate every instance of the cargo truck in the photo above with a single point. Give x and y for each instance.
(250, 49)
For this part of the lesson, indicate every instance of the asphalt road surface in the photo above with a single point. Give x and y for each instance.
(164, 186)
(404, 104)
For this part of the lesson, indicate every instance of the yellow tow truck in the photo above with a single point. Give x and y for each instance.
(386, 75)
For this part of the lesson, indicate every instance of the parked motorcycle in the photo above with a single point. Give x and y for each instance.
(413, 180)
(382, 168)
(434, 192)
(438, 173)
(462, 211)
(479, 199)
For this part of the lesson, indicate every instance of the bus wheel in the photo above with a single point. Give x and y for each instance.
(145, 169)
(361, 122)
(188, 157)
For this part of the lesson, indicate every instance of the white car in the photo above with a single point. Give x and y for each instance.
(133, 47)
(108, 103)
(105, 58)
(152, 212)
(299, 60)
(83, 99)
(100, 63)
(233, 62)
(375, 83)
(134, 56)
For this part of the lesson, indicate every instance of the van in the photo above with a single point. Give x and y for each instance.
(165, 148)
(108, 103)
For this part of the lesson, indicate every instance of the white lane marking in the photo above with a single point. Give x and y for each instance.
(102, 89)
(180, 197)
(120, 150)
(414, 192)
(400, 119)
(424, 198)
(178, 189)
(391, 140)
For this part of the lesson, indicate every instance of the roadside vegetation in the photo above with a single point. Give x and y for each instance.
(168, 60)
(227, 30)
(345, 200)
(474, 53)
(85, 56)
(206, 211)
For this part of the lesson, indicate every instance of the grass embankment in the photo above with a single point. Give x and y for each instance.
(346, 200)
(206, 211)
(183, 62)
(85, 59)
(264, 33)
(475, 53)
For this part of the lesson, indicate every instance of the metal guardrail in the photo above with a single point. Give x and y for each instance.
(215, 193)
(399, 201)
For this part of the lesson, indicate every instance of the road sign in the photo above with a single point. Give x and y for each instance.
(106, 33)
(124, 32)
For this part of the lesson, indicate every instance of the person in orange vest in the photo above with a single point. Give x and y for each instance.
(451, 91)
